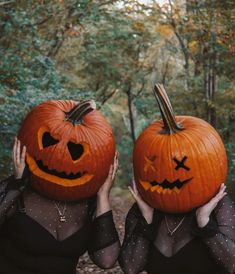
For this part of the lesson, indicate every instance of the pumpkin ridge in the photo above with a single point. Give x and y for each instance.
(201, 182)
(218, 158)
(181, 148)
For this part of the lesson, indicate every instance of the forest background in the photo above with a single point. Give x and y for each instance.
(114, 51)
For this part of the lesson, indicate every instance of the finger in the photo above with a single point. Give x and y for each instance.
(135, 187)
(222, 188)
(110, 168)
(115, 166)
(114, 173)
(221, 192)
(14, 150)
(110, 171)
(220, 196)
(115, 158)
(23, 154)
(217, 198)
(132, 193)
(18, 153)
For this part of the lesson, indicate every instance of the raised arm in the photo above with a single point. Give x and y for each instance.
(138, 234)
(222, 244)
(218, 233)
(135, 247)
(105, 244)
(11, 187)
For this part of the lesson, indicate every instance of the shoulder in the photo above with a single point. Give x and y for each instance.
(134, 211)
(224, 213)
(134, 214)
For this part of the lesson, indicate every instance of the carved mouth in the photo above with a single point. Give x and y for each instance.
(59, 174)
(165, 186)
(53, 176)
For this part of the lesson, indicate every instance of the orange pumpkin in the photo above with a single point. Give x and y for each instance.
(179, 162)
(70, 147)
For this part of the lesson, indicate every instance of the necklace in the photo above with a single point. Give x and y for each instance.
(171, 232)
(61, 211)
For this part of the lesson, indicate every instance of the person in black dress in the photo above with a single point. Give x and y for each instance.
(199, 242)
(42, 236)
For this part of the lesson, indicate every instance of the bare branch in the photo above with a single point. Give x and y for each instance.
(6, 3)
(108, 97)
(44, 20)
(139, 91)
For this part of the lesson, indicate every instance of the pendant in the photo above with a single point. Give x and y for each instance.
(62, 218)
(169, 233)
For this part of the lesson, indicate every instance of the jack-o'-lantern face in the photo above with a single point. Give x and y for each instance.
(166, 186)
(178, 168)
(70, 148)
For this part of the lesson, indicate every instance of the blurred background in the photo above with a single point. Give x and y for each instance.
(114, 51)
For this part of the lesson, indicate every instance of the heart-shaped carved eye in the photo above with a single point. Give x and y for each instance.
(75, 150)
(48, 140)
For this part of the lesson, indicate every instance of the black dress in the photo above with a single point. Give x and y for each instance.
(210, 250)
(193, 258)
(27, 247)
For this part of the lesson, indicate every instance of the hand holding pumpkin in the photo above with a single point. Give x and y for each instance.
(18, 159)
(106, 187)
(145, 209)
(103, 204)
(203, 212)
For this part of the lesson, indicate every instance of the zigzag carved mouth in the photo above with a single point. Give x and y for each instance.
(167, 185)
(59, 174)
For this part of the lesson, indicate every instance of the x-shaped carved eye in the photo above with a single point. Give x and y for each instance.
(180, 164)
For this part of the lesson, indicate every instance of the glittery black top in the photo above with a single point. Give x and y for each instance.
(33, 240)
(189, 249)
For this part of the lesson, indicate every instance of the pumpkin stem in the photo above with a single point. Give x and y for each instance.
(170, 124)
(76, 114)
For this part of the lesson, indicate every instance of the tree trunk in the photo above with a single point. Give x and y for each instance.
(209, 88)
(183, 45)
(131, 116)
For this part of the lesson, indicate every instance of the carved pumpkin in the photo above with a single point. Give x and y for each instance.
(70, 147)
(179, 162)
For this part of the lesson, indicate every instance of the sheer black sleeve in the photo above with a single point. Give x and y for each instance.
(10, 189)
(105, 245)
(219, 234)
(135, 247)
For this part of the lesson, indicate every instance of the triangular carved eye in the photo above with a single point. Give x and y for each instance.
(48, 140)
(75, 150)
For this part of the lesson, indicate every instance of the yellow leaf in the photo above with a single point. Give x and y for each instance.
(138, 26)
(193, 46)
(164, 30)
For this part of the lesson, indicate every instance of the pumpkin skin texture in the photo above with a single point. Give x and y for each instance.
(70, 147)
(178, 167)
